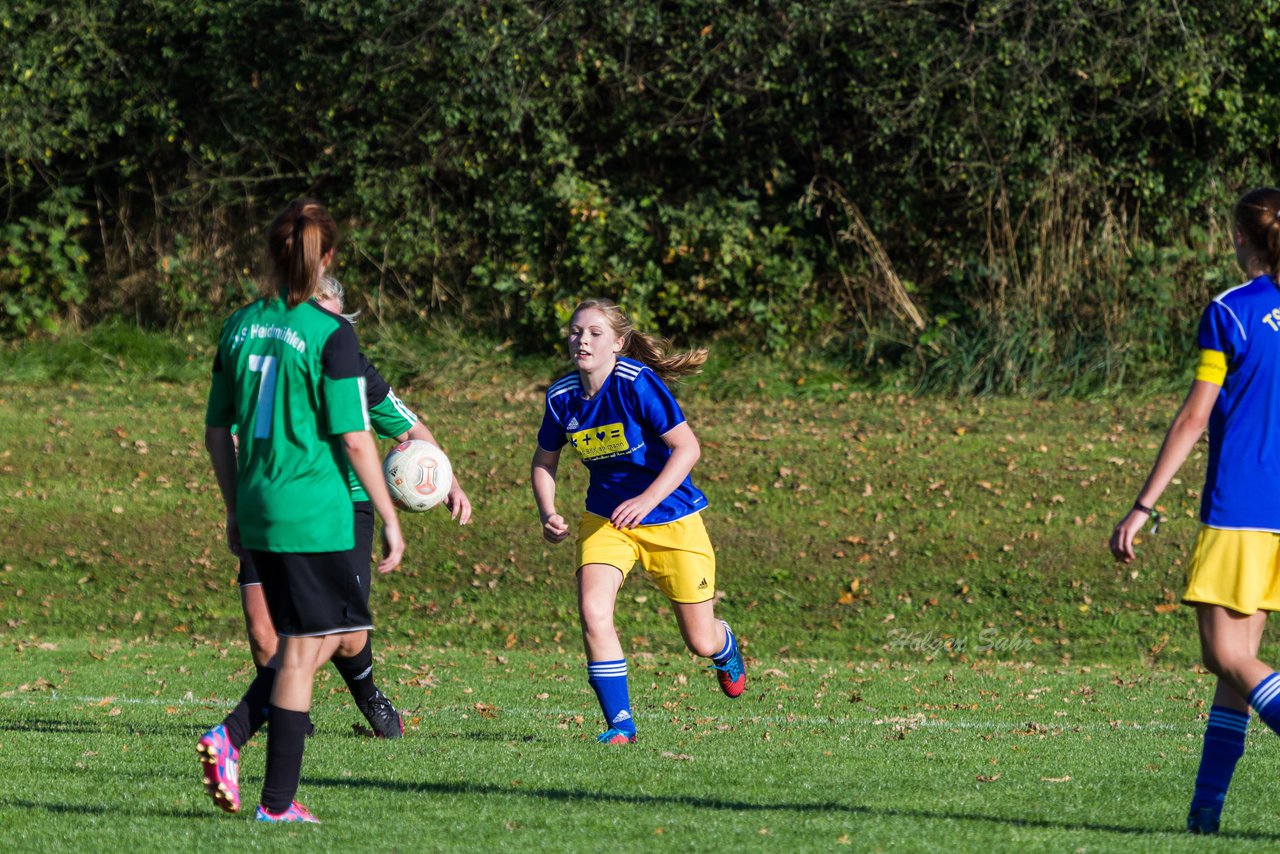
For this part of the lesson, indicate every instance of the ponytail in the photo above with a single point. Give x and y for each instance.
(299, 237)
(651, 350)
(1257, 217)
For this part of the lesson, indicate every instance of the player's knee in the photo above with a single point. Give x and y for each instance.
(351, 645)
(703, 645)
(598, 626)
(1223, 662)
(596, 616)
(263, 646)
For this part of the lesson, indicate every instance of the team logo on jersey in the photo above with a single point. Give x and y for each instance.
(596, 443)
(572, 425)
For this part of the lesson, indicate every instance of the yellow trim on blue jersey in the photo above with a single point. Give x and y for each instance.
(1212, 367)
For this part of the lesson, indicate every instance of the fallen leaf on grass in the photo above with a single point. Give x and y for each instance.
(987, 778)
(1066, 779)
(682, 757)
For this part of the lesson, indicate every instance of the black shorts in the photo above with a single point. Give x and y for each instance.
(361, 553)
(319, 593)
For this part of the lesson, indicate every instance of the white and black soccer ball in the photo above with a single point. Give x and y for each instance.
(418, 475)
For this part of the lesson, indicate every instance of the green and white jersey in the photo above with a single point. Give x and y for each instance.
(388, 414)
(290, 383)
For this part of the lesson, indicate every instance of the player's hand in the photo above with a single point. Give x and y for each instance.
(1125, 531)
(631, 512)
(458, 503)
(392, 547)
(554, 528)
(233, 536)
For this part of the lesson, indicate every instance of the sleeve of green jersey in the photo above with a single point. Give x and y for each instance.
(343, 385)
(390, 417)
(221, 410)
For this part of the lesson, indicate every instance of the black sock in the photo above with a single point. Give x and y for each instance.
(357, 672)
(251, 713)
(285, 744)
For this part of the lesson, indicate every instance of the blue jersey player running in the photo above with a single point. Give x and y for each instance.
(616, 412)
(1234, 573)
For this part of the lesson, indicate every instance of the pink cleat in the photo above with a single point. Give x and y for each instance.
(295, 813)
(220, 761)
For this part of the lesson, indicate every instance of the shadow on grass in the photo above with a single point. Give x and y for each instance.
(459, 735)
(53, 725)
(116, 726)
(747, 806)
(56, 808)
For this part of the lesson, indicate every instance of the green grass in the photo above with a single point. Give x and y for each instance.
(936, 634)
(97, 749)
(843, 522)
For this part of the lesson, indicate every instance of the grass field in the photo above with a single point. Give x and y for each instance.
(96, 746)
(942, 653)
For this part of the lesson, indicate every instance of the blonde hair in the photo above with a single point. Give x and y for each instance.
(299, 237)
(331, 288)
(652, 350)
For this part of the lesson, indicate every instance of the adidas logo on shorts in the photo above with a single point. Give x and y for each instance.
(703, 585)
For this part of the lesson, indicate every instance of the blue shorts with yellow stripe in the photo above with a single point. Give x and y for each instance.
(677, 554)
(1239, 570)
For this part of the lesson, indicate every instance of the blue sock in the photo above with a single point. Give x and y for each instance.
(609, 680)
(1265, 700)
(730, 647)
(1223, 747)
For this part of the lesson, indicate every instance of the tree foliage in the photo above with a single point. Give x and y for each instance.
(979, 196)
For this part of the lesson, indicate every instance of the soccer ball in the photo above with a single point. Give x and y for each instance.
(418, 475)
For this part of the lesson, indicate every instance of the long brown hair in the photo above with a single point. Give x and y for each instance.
(652, 350)
(299, 236)
(1257, 216)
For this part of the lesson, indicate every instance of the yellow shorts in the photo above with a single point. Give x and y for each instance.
(678, 554)
(1239, 570)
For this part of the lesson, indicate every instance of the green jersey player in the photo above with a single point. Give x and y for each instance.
(390, 418)
(287, 377)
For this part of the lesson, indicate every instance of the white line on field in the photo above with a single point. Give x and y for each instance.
(1020, 725)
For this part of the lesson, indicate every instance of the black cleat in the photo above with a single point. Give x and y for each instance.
(382, 717)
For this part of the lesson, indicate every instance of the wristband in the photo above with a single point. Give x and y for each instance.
(1156, 518)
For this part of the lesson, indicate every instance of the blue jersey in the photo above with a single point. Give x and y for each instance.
(1242, 484)
(618, 434)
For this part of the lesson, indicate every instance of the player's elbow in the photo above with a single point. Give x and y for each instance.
(357, 442)
(1193, 422)
(418, 431)
(215, 438)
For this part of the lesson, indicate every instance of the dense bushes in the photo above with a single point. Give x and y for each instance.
(994, 196)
